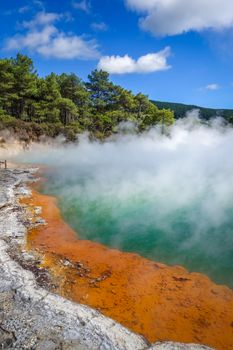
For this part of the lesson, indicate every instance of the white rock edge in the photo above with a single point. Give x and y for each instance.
(78, 323)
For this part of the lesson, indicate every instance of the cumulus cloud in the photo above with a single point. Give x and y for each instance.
(69, 47)
(172, 17)
(32, 40)
(43, 37)
(152, 62)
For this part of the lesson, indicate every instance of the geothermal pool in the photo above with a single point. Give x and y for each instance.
(145, 224)
(167, 198)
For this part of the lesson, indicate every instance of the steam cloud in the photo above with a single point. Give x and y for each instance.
(169, 198)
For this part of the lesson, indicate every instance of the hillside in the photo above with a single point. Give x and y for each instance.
(181, 109)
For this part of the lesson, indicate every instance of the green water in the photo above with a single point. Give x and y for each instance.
(151, 224)
(166, 197)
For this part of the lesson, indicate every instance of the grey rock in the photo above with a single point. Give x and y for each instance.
(46, 345)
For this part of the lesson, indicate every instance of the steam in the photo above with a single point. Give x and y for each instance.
(169, 198)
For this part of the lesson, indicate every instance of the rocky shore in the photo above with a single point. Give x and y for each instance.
(31, 315)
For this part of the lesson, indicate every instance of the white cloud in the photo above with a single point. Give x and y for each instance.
(82, 5)
(172, 17)
(69, 47)
(42, 19)
(43, 37)
(33, 39)
(212, 87)
(99, 26)
(152, 62)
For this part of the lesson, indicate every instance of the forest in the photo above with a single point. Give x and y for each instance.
(180, 110)
(32, 106)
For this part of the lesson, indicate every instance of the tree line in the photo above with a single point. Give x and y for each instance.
(180, 111)
(65, 104)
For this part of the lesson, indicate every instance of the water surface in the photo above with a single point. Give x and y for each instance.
(155, 225)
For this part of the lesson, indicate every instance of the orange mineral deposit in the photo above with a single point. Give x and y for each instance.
(158, 301)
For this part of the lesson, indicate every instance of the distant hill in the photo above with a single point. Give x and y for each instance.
(181, 109)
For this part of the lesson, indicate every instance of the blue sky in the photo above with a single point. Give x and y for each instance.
(171, 50)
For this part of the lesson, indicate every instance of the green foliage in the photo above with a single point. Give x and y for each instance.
(24, 86)
(99, 88)
(6, 119)
(33, 106)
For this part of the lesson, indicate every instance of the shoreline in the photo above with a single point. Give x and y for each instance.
(32, 317)
(130, 289)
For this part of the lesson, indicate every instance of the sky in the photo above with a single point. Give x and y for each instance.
(170, 50)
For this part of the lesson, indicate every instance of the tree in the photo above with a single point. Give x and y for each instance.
(142, 105)
(6, 84)
(64, 103)
(48, 97)
(71, 87)
(68, 110)
(24, 86)
(156, 116)
(100, 90)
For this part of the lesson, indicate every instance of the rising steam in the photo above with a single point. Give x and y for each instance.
(168, 197)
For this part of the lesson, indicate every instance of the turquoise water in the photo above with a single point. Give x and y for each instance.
(150, 224)
(166, 197)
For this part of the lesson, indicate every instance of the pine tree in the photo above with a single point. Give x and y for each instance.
(24, 86)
